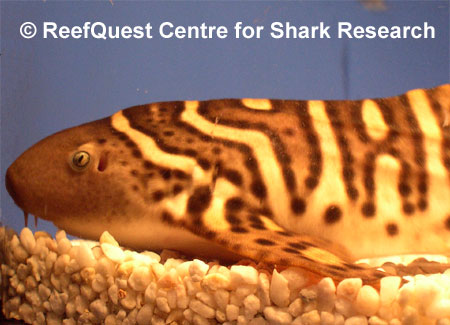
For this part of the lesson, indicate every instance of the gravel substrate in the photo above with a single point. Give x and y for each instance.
(58, 281)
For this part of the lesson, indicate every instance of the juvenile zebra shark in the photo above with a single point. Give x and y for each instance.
(315, 183)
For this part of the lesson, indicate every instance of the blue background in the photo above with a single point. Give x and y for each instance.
(51, 84)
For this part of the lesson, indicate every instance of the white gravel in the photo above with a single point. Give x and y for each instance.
(58, 281)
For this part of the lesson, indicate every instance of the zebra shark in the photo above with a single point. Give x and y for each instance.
(314, 183)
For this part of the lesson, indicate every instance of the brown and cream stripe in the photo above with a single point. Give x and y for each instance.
(325, 160)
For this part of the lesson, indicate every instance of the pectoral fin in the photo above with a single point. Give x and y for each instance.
(244, 231)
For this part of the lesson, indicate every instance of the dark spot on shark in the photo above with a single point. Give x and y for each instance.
(177, 188)
(148, 164)
(289, 132)
(158, 195)
(368, 210)
(447, 223)
(258, 189)
(167, 217)
(234, 204)
(130, 144)
(264, 242)
(165, 173)
(180, 174)
(298, 205)
(408, 208)
(233, 220)
(239, 230)
(137, 153)
(205, 164)
(333, 214)
(233, 176)
(199, 200)
(297, 246)
(284, 233)
(392, 229)
(290, 250)
(190, 152)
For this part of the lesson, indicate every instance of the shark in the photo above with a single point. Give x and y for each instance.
(316, 184)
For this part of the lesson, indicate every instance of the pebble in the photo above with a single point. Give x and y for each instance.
(251, 306)
(375, 320)
(241, 274)
(107, 238)
(349, 288)
(85, 257)
(169, 279)
(163, 304)
(81, 304)
(129, 299)
(439, 309)
(99, 309)
(206, 298)
(279, 290)
(202, 309)
(326, 318)
(74, 282)
(99, 283)
(232, 312)
(20, 254)
(69, 321)
(222, 298)
(263, 289)
(389, 289)
(57, 302)
(114, 253)
(26, 313)
(60, 234)
(345, 307)
(311, 318)
(216, 281)
(309, 298)
(356, 320)
(140, 278)
(278, 316)
(367, 301)
(27, 239)
(443, 321)
(326, 294)
(296, 279)
(197, 270)
(64, 246)
(295, 308)
(144, 314)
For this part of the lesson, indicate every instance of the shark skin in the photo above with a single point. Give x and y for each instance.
(315, 184)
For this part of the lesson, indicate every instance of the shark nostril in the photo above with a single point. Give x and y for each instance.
(102, 162)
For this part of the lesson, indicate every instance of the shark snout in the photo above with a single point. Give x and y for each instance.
(11, 186)
(19, 187)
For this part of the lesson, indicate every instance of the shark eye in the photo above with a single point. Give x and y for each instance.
(80, 160)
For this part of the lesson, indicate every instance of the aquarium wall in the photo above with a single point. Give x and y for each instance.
(68, 63)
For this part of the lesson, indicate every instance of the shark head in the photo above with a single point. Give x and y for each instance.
(102, 176)
(68, 176)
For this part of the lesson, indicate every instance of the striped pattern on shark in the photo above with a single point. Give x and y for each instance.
(315, 184)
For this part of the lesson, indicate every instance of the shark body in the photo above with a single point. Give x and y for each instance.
(315, 184)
